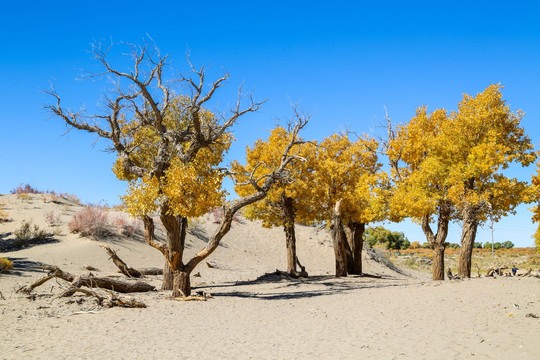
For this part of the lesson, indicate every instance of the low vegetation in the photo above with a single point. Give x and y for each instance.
(91, 222)
(5, 265)
(23, 191)
(29, 232)
(482, 260)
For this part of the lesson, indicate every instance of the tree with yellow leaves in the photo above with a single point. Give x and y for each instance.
(484, 138)
(348, 192)
(454, 169)
(289, 199)
(169, 148)
(420, 171)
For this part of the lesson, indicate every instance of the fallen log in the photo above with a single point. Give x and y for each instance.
(128, 270)
(58, 273)
(98, 282)
(120, 264)
(28, 288)
(112, 301)
(111, 284)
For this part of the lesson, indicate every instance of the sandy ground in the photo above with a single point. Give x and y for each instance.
(384, 316)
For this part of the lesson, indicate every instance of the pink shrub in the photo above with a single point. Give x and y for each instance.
(126, 228)
(25, 189)
(91, 222)
(51, 218)
(218, 216)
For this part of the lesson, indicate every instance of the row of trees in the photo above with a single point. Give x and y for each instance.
(444, 167)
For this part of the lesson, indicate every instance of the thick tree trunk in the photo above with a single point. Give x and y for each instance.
(438, 241)
(287, 209)
(168, 277)
(182, 284)
(468, 236)
(438, 262)
(348, 249)
(175, 228)
(339, 238)
(356, 240)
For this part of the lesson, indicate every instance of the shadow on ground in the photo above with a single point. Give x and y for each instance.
(286, 288)
(12, 245)
(22, 265)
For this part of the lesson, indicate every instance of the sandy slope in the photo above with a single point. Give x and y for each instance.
(387, 317)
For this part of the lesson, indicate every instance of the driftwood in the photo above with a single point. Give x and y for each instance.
(452, 276)
(528, 273)
(492, 271)
(28, 288)
(128, 270)
(112, 301)
(90, 281)
(201, 296)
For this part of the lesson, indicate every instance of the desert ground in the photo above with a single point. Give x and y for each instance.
(390, 313)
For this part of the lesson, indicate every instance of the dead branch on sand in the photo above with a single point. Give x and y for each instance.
(128, 270)
(111, 301)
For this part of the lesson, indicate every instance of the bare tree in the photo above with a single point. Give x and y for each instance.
(144, 96)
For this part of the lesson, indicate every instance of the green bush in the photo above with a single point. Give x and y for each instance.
(391, 240)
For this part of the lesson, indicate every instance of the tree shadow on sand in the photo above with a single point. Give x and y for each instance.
(286, 288)
(22, 266)
(12, 245)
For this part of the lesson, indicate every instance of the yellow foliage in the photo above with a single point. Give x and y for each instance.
(5, 264)
(263, 158)
(190, 189)
(459, 157)
(349, 170)
(537, 238)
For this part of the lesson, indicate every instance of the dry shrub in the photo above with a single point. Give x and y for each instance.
(218, 216)
(3, 215)
(5, 265)
(127, 228)
(91, 222)
(27, 232)
(52, 219)
(26, 189)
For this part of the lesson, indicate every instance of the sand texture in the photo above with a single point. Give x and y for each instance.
(387, 315)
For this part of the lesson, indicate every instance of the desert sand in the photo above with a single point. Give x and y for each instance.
(386, 315)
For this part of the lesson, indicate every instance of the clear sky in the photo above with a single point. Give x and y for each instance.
(342, 61)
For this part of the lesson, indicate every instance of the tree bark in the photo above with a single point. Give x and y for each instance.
(357, 243)
(438, 241)
(175, 229)
(348, 243)
(339, 238)
(182, 284)
(468, 236)
(287, 209)
(438, 262)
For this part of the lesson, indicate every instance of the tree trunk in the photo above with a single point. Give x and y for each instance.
(357, 243)
(175, 228)
(438, 241)
(468, 236)
(438, 261)
(182, 284)
(348, 249)
(287, 209)
(339, 239)
(168, 277)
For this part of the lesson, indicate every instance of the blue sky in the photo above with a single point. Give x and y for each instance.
(342, 61)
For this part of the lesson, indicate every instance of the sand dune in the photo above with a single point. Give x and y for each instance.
(384, 316)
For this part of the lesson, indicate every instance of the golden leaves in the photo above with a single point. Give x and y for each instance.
(459, 157)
